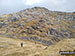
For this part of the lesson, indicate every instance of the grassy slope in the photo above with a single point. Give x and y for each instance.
(11, 47)
(64, 45)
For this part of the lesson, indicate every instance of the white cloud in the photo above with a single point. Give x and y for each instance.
(31, 2)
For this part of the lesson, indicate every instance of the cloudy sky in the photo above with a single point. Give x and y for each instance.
(10, 6)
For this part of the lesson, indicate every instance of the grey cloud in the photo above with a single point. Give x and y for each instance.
(10, 6)
(60, 5)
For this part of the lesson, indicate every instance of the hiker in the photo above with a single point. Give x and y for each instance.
(22, 44)
(35, 42)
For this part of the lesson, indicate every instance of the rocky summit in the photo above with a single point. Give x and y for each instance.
(38, 24)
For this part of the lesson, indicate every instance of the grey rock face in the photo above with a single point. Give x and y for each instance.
(10, 36)
(3, 25)
(60, 34)
(67, 34)
(16, 25)
(36, 39)
(13, 19)
(55, 32)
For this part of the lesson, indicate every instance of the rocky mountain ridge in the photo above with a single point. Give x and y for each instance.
(38, 24)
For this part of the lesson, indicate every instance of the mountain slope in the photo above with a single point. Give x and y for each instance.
(39, 25)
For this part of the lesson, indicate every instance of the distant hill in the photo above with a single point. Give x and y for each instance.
(38, 24)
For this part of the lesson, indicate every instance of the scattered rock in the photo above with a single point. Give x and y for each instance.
(13, 19)
(16, 25)
(3, 24)
(35, 27)
(67, 34)
(42, 20)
